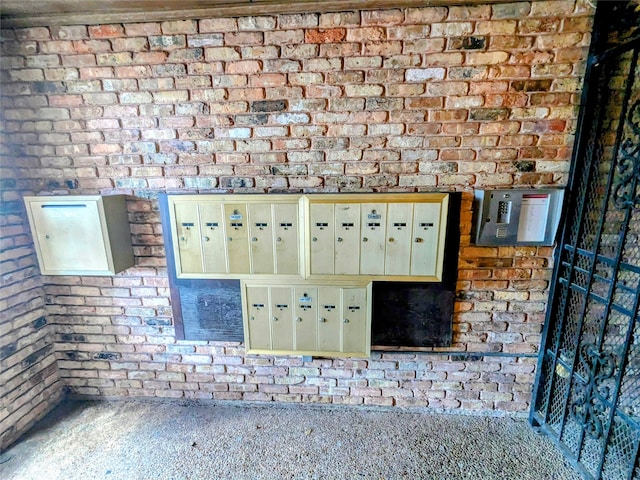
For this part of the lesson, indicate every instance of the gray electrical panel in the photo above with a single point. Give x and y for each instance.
(517, 217)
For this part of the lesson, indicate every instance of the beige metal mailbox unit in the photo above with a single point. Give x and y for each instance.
(80, 235)
(307, 319)
(318, 253)
(378, 236)
(239, 236)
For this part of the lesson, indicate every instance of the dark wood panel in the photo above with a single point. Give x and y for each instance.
(411, 315)
(211, 310)
(27, 13)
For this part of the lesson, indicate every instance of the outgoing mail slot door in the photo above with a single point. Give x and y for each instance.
(329, 319)
(305, 319)
(258, 317)
(399, 231)
(347, 239)
(321, 219)
(69, 235)
(213, 239)
(282, 318)
(188, 233)
(261, 237)
(424, 254)
(235, 216)
(354, 320)
(285, 232)
(372, 238)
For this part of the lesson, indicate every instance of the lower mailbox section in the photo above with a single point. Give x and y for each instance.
(307, 319)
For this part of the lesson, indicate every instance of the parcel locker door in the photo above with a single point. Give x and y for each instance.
(399, 230)
(321, 221)
(373, 219)
(261, 237)
(329, 319)
(213, 238)
(257, 299)
(285, 232)
(354, 320)
(347, 239)
(188, 237)
(426, 228)
(306, 327)
(281, 318)
(235, 217)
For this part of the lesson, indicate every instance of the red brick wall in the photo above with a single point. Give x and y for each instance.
(30, 384)
(429, 99)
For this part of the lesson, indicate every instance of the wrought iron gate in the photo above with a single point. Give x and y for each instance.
(587, 394)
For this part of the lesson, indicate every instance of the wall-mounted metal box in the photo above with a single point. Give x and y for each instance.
(80, 235)
(390, 237)
(326, 320)
(517, 217)
(233, 236)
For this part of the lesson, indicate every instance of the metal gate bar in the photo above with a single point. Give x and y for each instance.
(592, 390)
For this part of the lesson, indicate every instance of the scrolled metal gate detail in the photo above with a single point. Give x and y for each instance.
(587, 394)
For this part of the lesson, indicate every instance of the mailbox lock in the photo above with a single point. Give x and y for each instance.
(418, 240)
(323, 320)
(229, 239)
(365, 239)
(182, 239)
(254, 239)
(339, 239)
(299, 319)
(279, 239)
(391, 239)
(252, 317)
(314, 239)
(275, 319)
(48, 237)
(206, 239)
(346, 320)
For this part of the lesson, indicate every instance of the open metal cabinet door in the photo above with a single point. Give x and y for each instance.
(587, 392)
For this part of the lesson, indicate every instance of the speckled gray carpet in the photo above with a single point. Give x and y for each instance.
(173, 440)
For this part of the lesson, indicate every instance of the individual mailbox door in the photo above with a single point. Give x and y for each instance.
(214, 249)
(281, 318)
(285, 232)
(261, 237)
(188, 233)
(69, 235)
(305, 314)
(373, 221)
(347, 239)
(329, 319)
(321, 218)
(426, 223)
(399, 230)
(237, 237)
(258, 320)
(354, 320)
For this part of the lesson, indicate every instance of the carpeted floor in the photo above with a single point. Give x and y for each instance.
(132, 440)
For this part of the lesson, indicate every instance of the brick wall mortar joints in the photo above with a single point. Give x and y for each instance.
(86, 142)
(23, 327)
